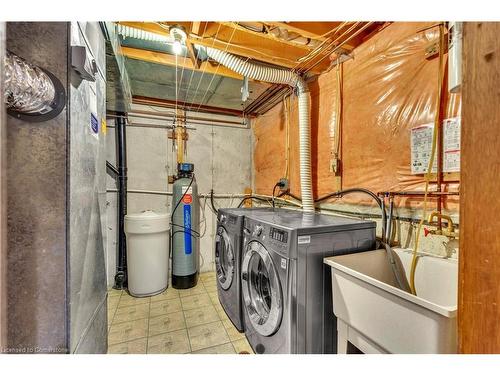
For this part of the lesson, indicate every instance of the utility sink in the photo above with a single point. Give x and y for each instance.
(378, 317)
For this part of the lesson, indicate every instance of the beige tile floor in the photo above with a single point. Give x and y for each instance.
(176, 321)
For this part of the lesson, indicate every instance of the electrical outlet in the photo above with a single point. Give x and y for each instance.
(284, 184)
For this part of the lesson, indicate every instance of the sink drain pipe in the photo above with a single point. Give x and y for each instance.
(121, 166)
(275, 75)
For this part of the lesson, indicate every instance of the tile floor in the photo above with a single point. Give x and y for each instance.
(176, 321)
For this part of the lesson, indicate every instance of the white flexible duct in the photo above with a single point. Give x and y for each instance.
(275, 75)
(132, 32)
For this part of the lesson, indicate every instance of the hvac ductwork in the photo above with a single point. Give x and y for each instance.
(30, 92)
(132, 32)
(275, 75)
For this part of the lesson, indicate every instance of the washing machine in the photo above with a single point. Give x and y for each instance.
(228, 242)
(286, 288)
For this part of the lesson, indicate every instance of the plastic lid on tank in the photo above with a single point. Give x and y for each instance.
(147, 222)
(147, 215)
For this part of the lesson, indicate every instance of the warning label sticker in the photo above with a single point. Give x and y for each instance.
(421, 146)
(303, 240)
(451, 145)
(187, 199)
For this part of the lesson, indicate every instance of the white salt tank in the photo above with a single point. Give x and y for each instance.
(147, 253)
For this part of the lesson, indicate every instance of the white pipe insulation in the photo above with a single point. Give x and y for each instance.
(275, 75)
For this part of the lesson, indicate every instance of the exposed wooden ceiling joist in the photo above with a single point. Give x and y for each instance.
(317, 30)
(189, 106)
(195, 27)
(242, 43)
(245, 40)
(242, 29)
(167, 59)
(313, 30)
(192, 55)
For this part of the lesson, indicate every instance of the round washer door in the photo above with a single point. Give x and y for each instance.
(224, 259)
(261, 289)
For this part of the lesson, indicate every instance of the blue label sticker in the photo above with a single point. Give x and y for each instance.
(187, 229)
(94, 124)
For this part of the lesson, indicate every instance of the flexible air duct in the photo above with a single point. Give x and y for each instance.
(132, 32)
(275, 75)
(28, 89)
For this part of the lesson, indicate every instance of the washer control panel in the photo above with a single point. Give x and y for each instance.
(277, 238)
(278, 235)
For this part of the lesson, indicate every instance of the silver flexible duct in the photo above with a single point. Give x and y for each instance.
(275, 75)
(27, 88)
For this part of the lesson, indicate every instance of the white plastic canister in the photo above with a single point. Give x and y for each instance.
(147, 253)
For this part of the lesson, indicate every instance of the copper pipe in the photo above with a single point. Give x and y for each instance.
(441, 87)
(171, 116)
(417, 193)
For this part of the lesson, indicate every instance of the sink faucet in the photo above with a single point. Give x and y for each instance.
(448, 232)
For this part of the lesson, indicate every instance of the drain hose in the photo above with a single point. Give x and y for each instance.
(275, 75)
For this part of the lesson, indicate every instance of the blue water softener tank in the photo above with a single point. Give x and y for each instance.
(185, 230)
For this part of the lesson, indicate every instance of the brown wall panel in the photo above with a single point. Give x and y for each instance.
(479, 276)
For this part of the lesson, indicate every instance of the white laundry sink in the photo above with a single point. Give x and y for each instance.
(377, 317)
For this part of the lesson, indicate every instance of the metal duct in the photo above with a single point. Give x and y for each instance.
(31, 92)
(28, 88)
(275, 75)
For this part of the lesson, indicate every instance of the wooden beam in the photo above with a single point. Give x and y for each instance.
(313, 30)
(268, 36)
(196, 27)
(137, 99)
(479, 259)
(192, 55)
(167, 59)
(242, 43)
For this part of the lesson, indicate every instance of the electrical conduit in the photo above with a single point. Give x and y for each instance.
(275, 75)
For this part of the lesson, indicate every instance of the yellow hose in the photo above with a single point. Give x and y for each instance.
(428, 175)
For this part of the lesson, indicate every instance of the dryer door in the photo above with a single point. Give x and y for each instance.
(224, 258)
(261, 288)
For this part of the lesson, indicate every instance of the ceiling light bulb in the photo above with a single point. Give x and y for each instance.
(177, 47)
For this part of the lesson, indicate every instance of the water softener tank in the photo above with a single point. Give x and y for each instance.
(185, 229)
